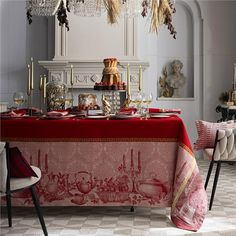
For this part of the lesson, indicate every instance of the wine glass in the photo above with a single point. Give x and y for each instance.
(146, 100)
(136, 99)
(19, 99)
(69, 99)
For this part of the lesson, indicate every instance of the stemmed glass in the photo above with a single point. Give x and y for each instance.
(146, 100)
(19, 99)
(136, 99)
(68, 99)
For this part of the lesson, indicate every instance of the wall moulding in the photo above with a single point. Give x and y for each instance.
(93, 38)
(87, 73)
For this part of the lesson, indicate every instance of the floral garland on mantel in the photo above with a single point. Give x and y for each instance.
(160, 11)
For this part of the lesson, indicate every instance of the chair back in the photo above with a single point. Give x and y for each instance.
(225, 145)
(3, 167)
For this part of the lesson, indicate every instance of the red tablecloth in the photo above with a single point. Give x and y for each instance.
(113, 162)
(33, 129)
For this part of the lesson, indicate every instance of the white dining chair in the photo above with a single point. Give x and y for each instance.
(224, 151)
(9, 185)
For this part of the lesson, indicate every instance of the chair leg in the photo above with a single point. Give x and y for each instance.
(39, 213)
(215, 184)
(8, 197)
(209, 173)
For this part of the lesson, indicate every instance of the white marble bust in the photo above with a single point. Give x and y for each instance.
(176, 78)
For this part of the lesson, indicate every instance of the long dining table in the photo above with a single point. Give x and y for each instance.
(99, 162)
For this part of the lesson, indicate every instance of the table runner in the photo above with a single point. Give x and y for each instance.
(113, 162)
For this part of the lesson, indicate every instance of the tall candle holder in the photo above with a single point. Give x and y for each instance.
(29, 89)
(127, 100)
(72, 84)
(44, 91)
(140, 84)
(40, 91)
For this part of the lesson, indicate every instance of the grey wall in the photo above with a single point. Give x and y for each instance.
(19, 42)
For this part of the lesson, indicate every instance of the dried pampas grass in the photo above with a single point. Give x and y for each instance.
(113, 8)
(161, 13)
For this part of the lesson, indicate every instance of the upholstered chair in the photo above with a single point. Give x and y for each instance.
(9, 185)
(224, 151)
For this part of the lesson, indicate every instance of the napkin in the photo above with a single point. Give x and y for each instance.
(57, 113)
(127, 111)
(29, 110)
(15, 113)
(160, 110)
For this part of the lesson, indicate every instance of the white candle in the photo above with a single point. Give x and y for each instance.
(29, 80)
(71, 76)
(32, 74)
(128, 80)
(41, 83)
(44, 86)
(140, 78)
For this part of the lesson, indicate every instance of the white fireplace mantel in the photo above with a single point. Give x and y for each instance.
(86, 44)
(87, 73)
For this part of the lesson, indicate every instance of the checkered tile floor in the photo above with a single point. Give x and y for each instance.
(104, 221)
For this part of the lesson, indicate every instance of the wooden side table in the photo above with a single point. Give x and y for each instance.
(227, 112)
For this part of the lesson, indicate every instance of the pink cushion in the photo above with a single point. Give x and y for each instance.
(207, 132)
(19, 167)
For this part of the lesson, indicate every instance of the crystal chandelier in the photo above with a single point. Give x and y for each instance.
(159, 11)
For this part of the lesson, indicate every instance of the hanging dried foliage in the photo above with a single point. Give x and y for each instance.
(113, 8)
(161, 13)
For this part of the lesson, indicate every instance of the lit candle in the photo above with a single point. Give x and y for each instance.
(32, 74)
(128, 80)
(29, 81)
(71, 76)
(140, 78)
(44, 86)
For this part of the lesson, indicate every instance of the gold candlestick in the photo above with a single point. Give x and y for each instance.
(128, 81)
(32, 74)
(140, 79)
(44, 89)
(29, 88)
(72, 83)
(40, 91)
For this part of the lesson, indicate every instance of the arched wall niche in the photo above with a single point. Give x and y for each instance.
(192, 107)
(187, 47)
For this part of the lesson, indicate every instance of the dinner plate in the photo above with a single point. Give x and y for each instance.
(98, 117)
(159, 116)
(164, 113)
(124, 116)
(57, 117)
